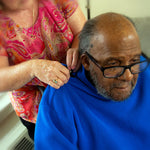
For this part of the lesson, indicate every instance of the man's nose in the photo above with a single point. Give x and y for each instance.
(127, 75)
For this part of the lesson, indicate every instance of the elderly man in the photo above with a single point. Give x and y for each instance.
(106, 104)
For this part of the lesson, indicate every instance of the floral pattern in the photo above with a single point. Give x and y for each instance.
(49, 38)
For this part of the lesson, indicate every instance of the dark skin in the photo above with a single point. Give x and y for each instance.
(116, 44)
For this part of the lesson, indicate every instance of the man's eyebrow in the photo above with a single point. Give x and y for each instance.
(107, 60)
(112, 59)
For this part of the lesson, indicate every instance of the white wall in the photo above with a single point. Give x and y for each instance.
(139, 10)
(131, 8)
(83, 5)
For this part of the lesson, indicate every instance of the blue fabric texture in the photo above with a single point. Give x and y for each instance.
(75, 117)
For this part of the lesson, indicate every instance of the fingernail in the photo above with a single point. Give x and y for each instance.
(73, 67)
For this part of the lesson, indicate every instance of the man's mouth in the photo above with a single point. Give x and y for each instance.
(123, 86)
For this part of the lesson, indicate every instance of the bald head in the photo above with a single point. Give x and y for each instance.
(110, 28)
(113, 22)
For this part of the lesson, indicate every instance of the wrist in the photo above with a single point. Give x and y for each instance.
(32, 66)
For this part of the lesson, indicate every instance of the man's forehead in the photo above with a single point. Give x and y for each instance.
(102, 52)
(125, 44)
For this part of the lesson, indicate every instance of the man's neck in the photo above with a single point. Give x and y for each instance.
(27, 14)
(27, 5)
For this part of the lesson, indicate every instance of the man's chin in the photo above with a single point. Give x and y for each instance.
(117, 97)
(120, 97)
(118, 94)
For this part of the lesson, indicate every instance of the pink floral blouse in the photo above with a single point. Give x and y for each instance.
(49, 38)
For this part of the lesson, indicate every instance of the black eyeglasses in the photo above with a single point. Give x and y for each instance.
(117, 71)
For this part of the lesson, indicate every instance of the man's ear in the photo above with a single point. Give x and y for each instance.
(85, 62)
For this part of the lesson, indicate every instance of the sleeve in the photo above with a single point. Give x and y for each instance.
(69, 7)
(55, 127)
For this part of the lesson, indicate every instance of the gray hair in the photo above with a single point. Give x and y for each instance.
(85, 37)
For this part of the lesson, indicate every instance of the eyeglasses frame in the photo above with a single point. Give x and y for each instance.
(125, 67)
